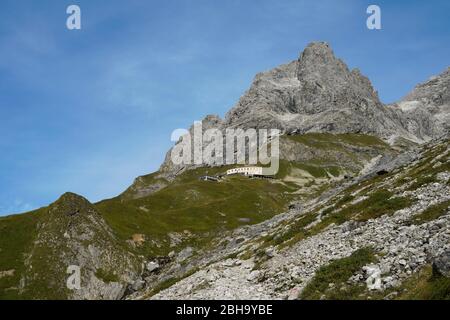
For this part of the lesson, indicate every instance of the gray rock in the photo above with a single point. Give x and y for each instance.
(185, 254)
(138, 285)
(294, 294)
(391, 295)
(270, 252)
(254, 275)
(441, 264)
(152, 266)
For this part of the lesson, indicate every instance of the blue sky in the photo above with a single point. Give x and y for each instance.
(87, 111)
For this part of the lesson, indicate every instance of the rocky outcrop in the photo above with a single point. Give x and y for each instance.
(426, 110)
(441, 264)
(72, 233)
(168, 169)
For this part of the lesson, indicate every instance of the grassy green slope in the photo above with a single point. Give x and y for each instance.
(16, 236)
(202, 208)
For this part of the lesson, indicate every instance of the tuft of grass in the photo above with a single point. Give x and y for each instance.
(314, 168)
(106, 276)
(432, 212)
(422, 285)
(426, 286)
(337, 273)
(296, 231)
(16, 236)
(345, 199)
(378, 203)
(421, 181)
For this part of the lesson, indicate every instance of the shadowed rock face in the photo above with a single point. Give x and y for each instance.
(170, 170)
(326, 82)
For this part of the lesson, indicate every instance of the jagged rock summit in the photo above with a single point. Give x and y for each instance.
(316, 93)
(319, 93)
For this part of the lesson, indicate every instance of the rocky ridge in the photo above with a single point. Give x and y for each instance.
(72, 232)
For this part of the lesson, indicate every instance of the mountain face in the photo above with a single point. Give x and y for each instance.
(362, 189)
(426, 110)
(318, 93)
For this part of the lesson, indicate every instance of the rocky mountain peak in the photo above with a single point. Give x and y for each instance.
(319, 93)
(347, 193)
(326, 81)
(70, 196)
(316, 93)
(71, 204)
(318, 62)
(436, 90)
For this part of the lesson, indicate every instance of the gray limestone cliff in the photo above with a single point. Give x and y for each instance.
(319, 93)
